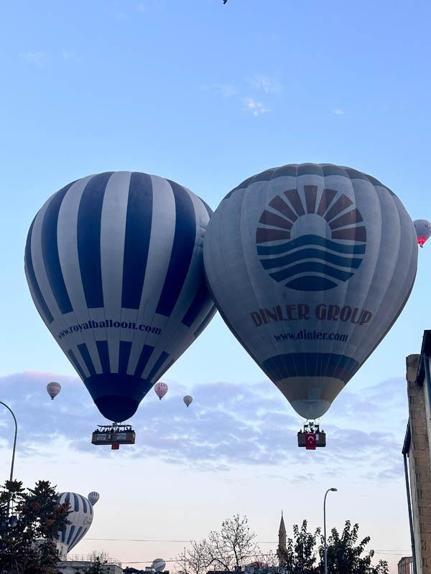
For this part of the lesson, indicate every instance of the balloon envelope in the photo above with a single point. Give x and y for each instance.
(53, 389)
(188, 400)
(161, 389)
(158, 565)
(79, 519)
(93, 497)
(114, 266)
(310, 266)
(423, 231)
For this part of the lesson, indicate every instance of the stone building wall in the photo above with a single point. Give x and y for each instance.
(420, 464)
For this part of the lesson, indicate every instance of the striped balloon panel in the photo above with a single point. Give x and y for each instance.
(310, 266)
(79, 519)
(114, 265)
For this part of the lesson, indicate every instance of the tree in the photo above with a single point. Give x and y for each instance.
(345, 554)
(299, 557)
(227, 549)
(27, 537)
(98, 559)
(303, 554)
(194, 560)
(97, 566)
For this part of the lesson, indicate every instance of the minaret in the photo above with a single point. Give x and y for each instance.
(282, 540)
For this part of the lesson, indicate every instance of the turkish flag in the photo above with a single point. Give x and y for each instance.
(310, 441)
(115, 446)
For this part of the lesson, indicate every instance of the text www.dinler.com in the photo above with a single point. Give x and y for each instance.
(109, 324)
(306, 335)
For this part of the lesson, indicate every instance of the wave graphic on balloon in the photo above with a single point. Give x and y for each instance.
(311, 241)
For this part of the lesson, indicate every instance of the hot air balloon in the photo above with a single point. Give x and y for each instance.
(423, 231)
(79, 519)
(310, 265)
(188, 400)
(53, 389)
(93, 497)
(114, 265)
(158, 565)
(161, 389)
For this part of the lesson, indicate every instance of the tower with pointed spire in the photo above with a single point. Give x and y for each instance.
(282, 542)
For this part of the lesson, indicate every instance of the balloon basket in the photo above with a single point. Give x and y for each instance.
(311, 437)
(113, 435)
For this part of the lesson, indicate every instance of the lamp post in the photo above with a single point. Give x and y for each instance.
(14, 438)
(325, 546)
(13, 449)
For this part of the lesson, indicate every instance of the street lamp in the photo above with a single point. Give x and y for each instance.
(13, 450)
(325, 546)
(14, 439)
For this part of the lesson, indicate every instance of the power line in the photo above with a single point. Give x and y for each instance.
(173, 540)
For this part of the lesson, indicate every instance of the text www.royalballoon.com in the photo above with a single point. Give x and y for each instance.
(109, 324)
(306, 335)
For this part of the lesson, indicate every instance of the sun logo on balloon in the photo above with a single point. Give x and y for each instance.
(311, 241)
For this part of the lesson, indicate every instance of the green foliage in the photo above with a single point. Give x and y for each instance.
(28, 529)
(348, 556)
(346, 553)
(97, 566)
(300, 554)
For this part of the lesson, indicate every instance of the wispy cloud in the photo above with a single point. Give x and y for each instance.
(227, 425)
(255, 107)
(224, 90)
(266, 84)
(145, 5)
(250, 93)
(37, 58)
(69, 56)
(338, 112)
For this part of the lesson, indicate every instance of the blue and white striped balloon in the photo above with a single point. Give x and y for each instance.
(310, 265)
(79, 519)
(114, 265)
(158, 565)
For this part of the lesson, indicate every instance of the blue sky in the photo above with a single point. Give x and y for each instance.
(208, 95)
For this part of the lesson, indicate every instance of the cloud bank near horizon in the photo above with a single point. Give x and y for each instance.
(227, 425)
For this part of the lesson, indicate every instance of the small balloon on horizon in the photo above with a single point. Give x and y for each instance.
(93, 497)
(423, 231)
(188, 400)
(161, 389)
(53, 389)
(158, 565)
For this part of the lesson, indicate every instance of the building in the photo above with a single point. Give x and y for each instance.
(282, 541)
(417, 456)
(405, 565)
(81, 566)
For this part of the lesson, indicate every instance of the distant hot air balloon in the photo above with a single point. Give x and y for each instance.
(188, 400)
(53, 389)
(423, 231)
(158, 565)
(114, 265)
(161, 389)
(310, 265)
(79, 519)
(93, 497)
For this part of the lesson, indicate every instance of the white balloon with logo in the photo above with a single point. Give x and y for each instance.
(310, 265)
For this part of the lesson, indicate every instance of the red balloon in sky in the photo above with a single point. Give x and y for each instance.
(161, 389)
